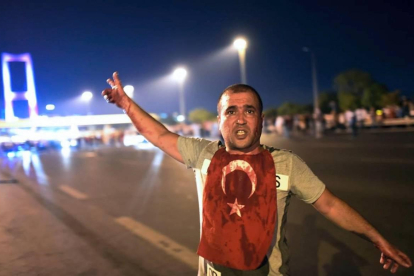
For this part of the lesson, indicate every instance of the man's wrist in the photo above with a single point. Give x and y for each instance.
(126, 105)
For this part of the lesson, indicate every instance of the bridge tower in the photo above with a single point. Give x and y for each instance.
(11, 96)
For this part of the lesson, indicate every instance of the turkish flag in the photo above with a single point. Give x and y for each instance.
(239, 209)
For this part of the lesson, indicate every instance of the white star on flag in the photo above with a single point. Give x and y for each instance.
(235, 208)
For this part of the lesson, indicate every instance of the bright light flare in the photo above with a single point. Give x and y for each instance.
(87, 96)
(18, 139)
(65, 152)
(180, 74)
(50, 107)
(180, 118)
(129, 90)
(133, 140)
(65, 144)
(240, 44)
(73, 143)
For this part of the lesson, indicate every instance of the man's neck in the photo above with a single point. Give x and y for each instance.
(256, 150)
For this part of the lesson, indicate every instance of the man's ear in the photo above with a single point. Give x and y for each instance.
(218, 120)
(262, 120)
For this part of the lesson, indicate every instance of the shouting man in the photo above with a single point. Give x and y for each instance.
(244, 188)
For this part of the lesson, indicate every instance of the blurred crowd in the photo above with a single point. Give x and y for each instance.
(317, 124)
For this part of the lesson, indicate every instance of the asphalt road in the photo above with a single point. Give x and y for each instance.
(126, 211)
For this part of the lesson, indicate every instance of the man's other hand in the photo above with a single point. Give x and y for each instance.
(392, 257)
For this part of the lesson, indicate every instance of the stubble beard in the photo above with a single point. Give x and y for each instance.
(243, 145)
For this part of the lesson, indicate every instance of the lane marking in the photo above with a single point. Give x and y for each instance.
(162, 242)
(89, 154)
(73, 192)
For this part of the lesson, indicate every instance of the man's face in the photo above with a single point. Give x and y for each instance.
(240, 122)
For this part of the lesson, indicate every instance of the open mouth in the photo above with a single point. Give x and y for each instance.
(241, 133)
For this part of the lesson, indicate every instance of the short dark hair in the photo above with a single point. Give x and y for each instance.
(239, 88)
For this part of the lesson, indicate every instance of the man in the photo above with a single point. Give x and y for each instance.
(242, 217)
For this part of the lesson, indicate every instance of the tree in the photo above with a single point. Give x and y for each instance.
(201, 115)
(325, 100)
(347, 100)
(353, 81)
(372, 96)
(270, 113)
(292, 109)
(391, 98)
(169, 121)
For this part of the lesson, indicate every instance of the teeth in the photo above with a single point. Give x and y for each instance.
(240, 132)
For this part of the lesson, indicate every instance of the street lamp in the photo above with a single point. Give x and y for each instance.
(241, 44)
(314, 79)
(179, 75)
(87, 97)
(50, 107)
(316, 110)
(129, 90)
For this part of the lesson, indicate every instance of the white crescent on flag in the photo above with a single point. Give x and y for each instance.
(242, 166)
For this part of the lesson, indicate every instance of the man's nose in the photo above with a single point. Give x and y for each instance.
(241, 120)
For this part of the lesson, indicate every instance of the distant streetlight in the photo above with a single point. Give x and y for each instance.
(180, 118)
(179, 75)
(241, 44)
(316, 111)
(50, 107)
(87, 97)
(129, 90)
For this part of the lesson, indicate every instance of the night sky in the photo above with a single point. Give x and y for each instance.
(75, 46)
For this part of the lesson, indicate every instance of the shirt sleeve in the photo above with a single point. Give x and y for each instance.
(304, 183)
(190, 149)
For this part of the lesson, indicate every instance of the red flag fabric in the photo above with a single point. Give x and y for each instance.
(239, 209)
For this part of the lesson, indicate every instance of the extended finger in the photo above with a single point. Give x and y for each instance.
(394, 267)
(405, 260)
(117, 80)
(387, 264)
(382, 259)
(401, 259)
(110, 82)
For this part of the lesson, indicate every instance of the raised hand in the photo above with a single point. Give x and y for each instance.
(116, 94)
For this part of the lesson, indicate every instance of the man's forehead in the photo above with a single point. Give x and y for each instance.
(240, 98)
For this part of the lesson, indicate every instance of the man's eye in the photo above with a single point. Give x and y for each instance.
(251, 111)
(231, 112)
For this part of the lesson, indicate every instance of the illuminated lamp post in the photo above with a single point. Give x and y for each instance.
(87, 97)
(316, 111)
(50, 107)
(241, 44)
(129, 90)
(179, 75)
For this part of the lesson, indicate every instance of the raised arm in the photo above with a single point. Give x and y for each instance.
(151, 129)
(343, 215)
